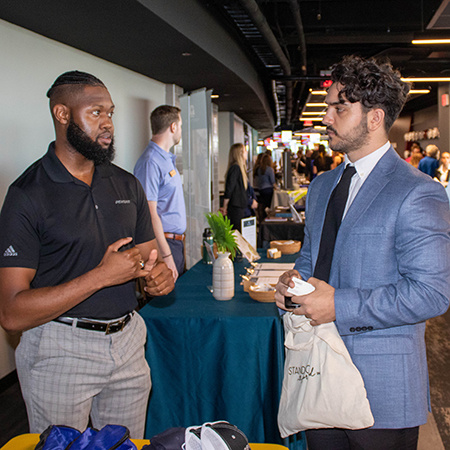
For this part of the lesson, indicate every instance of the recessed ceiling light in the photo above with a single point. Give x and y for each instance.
(186, 54)
(430, 41)
(312, 113)
(426, 79)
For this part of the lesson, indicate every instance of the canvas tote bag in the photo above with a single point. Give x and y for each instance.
(322, 388)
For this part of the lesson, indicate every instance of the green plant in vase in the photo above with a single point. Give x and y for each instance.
(222, 232)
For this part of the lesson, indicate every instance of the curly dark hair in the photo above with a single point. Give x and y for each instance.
(375, 84)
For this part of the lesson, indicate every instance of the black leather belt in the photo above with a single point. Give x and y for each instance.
(105, 327)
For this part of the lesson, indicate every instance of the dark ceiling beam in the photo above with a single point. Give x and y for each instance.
(196, 23)
(261, 23)
(300, 32)
(344, 38)
(298, 92)
(304, 78)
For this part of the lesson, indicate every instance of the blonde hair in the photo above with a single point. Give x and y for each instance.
(236, 156)
(432, 150)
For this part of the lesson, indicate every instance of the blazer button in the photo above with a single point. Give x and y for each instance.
(358, 328)
(352, 330)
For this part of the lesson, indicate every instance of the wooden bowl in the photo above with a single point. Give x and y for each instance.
(286, 247)
(261, 295)
(247, 284)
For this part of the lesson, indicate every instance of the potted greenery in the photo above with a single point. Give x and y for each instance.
(222, 232)
(223, 270)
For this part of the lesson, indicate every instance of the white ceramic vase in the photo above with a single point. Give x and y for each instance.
(223, 277)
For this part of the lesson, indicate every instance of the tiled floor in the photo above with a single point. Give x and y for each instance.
(435, 435)
(438, 352)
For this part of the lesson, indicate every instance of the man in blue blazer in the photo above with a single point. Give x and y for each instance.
(390, 267)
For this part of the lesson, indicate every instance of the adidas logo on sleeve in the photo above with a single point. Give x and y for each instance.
(10, 251)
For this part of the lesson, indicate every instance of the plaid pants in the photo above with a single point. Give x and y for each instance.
(68, 374)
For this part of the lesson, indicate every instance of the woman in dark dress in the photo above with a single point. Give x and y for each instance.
(236, 186)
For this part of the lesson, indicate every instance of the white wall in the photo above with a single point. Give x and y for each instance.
(30, 63)
(231, 131)
(225, 142)
(396, 134)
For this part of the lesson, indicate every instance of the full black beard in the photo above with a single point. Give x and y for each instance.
(90, 149)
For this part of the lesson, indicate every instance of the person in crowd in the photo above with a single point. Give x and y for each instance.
(255, 169)
(274, 164)
(235, 201)
(374, 280)
(442, 172)
(157, 172)
(338, 158)
(305, 164)
(430, 163)
(416, 149)
(300, 163)
(252, 203)
(266, 183)
(76, 233)
(255, 180)
(322, 162)
(415, 159)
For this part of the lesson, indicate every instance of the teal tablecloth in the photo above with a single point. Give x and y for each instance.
(215, 360)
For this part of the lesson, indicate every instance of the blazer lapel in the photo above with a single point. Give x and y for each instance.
(369, 191)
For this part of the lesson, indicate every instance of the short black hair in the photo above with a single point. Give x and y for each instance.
(373, 83)
(73, 78)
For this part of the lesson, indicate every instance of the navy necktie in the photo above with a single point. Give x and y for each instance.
(333, 218)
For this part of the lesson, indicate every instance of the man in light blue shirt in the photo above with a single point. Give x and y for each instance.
(161, 181)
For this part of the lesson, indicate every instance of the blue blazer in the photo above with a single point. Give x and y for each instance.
(391, 273)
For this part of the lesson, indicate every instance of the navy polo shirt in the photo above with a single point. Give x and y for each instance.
(60, 226)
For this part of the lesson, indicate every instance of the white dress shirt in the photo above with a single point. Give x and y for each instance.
(363, 168)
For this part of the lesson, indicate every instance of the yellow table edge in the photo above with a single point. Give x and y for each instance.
(29, 441)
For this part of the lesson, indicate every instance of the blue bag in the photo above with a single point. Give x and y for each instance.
(57, 437)
(110, 437)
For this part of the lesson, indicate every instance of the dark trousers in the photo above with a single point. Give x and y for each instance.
(265, 201)
(177, 250)
(236, 215)
(368, 439)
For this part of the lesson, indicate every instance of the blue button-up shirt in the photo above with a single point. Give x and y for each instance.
(156, 171)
